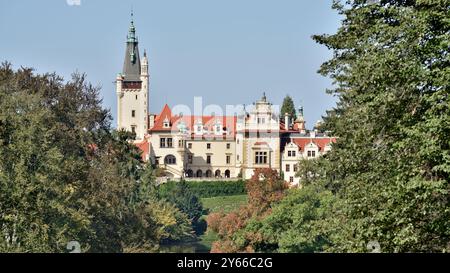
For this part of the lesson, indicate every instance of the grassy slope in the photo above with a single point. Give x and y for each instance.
(224, 203)
(217, 204)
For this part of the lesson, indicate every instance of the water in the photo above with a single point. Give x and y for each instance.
(184, 247)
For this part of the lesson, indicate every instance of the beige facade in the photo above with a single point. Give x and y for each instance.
(210, 147)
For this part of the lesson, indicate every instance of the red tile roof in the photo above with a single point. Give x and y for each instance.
(144, 146)
(320, 142)
(208, 122)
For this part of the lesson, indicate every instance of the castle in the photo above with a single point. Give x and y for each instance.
(211, 147)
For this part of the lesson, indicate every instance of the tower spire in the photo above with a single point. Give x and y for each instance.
(132, 64)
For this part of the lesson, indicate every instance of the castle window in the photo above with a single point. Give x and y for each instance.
(208, 146)
(288, 168)
(190, 145)
(162, 143)
(260, 158)
(295, 167)
(169, 143)
(228, 146)
(136, 97)
(133, 113)
(208, 159)
(190, 159)
(291, 179)
(311, 153)
(228, 160)
(133, 129)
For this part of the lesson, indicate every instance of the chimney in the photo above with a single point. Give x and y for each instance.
(152, 121)
(286, 121)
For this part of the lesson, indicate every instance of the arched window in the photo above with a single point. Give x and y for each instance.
(199, 173)
(218, 173)
(208, 173)
(170, 160)
(227, 174)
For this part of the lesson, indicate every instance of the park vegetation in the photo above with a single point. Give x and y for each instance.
(386, 179)
(65, 175)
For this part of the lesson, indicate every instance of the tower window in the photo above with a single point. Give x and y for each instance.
(208, 159)
(136, 97)
(133, 129)
(133, 113)
(228, 159)
(228, 146)
(208, 146)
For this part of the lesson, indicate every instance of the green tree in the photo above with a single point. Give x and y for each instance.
(295, 225)
(66, 175)
(288, 107)
(186, 201)
(391, 163)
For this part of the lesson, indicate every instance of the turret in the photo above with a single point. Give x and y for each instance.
(132, 88)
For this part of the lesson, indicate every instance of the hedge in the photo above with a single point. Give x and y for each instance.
(207, 189)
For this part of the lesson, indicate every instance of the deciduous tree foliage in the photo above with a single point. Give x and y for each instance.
(387, 177)
(264, 189)
(66, 176)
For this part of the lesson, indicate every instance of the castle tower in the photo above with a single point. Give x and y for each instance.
(132, 88)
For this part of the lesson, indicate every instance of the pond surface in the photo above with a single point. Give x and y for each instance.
(184, 247)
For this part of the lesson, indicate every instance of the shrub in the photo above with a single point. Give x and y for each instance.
(207, 189)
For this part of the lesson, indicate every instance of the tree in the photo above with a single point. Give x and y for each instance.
(288, 107)
(65, 175)
(186, 201)
(391, 162)
(264, 190)
(296, 224)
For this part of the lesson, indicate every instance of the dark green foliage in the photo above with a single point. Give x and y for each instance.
(181, 195)
(206, 189)
(184, 198)
(387, 177)
(65, 175)
(391, 163)
(288, 107)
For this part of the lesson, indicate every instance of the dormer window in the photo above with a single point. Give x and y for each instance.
(166, 123)
(199, 127)
(218, 127)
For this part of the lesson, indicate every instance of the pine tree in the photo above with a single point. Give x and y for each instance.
(288, 107)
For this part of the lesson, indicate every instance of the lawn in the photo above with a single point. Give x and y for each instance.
(217, 204)
(224, 203)
(203, 245)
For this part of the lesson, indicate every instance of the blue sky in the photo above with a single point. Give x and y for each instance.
(226, 51)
